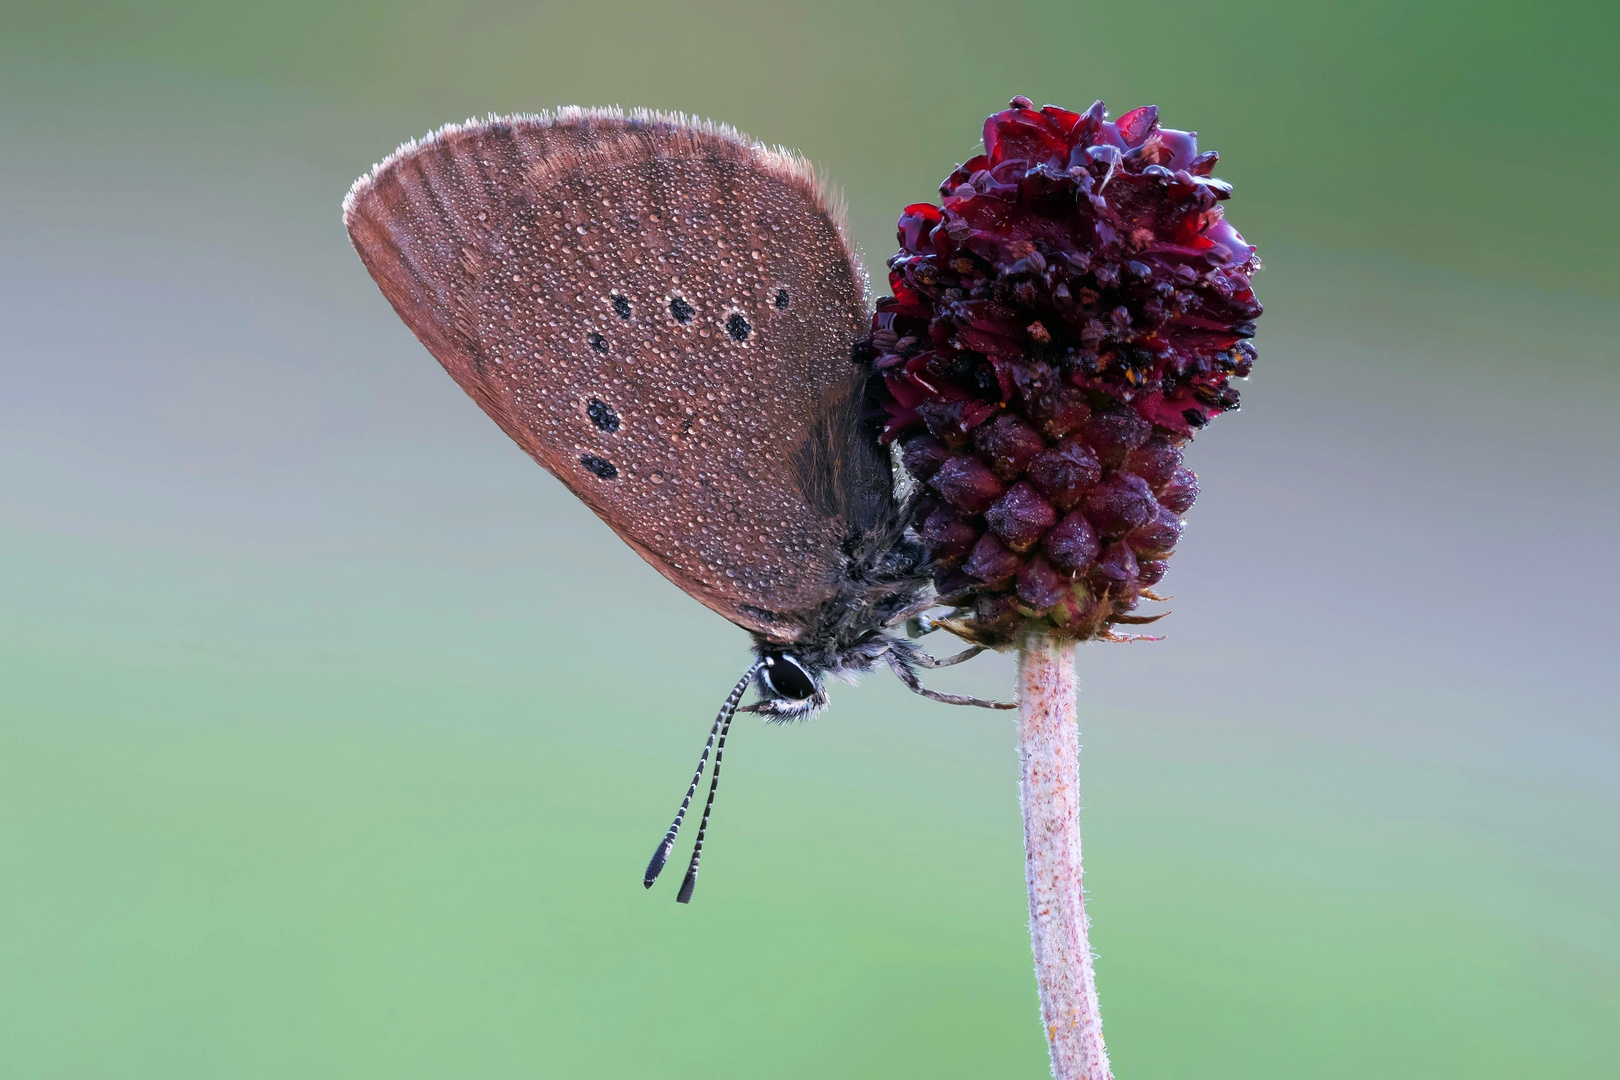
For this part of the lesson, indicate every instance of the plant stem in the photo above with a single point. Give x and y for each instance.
(1049, 791)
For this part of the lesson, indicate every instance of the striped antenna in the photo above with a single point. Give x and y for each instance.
(722, 723)
(690, 882)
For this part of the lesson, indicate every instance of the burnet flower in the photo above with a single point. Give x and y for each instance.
(1061, 325)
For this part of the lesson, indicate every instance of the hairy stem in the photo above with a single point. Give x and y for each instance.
(1049, 791)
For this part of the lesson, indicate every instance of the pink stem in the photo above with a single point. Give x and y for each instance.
(1049, 791)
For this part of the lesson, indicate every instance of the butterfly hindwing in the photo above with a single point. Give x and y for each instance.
(660, 313)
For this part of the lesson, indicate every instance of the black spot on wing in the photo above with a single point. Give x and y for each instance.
(737, 326)
(600, 467)
(682, 311)
(603, 416)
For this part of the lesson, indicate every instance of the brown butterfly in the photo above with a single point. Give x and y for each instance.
(660, 311)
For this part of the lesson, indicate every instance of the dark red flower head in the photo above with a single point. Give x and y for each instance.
(1071, 313)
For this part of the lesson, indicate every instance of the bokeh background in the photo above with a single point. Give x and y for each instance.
(334, 735)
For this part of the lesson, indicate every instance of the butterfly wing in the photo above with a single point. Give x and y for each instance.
(660, 313)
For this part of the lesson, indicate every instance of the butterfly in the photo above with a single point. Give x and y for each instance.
(661, 311)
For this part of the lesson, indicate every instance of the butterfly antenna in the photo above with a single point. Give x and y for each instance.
(721, 721)
(690, 882)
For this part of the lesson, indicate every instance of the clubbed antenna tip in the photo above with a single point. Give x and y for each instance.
(656, 866)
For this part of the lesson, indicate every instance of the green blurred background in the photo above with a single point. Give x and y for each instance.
(334, 734)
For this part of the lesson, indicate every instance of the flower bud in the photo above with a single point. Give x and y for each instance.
(1181, 492)
(946, 536)
(1040, 586)
(967, 484)
(953, 585)
(1119, 504)
(1157, 534)
(1113, 435)
(1155, 461)
(1008, 443)
(922, 455)
(1072, 543)
(1020, 517)
(990, 562)
(1115, 570)
(1063, 472)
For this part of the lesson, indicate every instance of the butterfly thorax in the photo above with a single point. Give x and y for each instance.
(884, 582)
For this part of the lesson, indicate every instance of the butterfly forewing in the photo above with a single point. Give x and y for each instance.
(660, 313)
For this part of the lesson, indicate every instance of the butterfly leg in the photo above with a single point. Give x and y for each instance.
(923, 660)
(908, 675)
(915, 657)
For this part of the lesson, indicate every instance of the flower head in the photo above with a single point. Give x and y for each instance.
(1061, 324)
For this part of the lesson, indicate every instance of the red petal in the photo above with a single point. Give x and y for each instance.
(1181, 148)
(1092, 122)
(1064, 120)
(906, 394)
(977, 412)
(916, 222)
(907, 304)
(1226, 241)
(1136, 125)
(990, 344)
(1018, 134)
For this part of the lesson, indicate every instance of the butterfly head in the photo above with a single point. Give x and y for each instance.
(791, 680)
(790, 688)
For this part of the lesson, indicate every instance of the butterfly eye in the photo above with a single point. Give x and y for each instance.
(787, 678)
